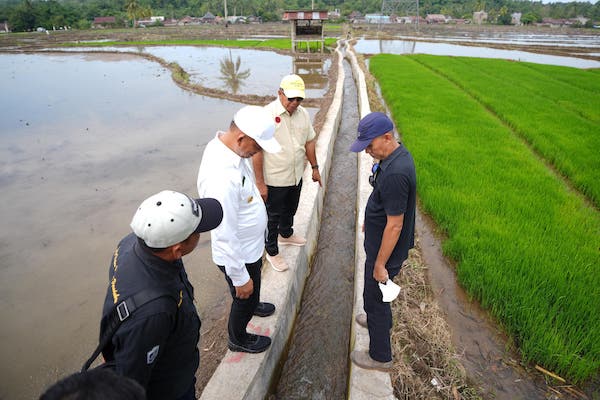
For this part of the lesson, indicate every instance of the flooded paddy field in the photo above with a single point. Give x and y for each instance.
(83, 140)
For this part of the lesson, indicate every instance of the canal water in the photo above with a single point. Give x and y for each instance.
(316, 365)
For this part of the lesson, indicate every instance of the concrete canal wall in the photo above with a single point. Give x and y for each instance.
(248, 376)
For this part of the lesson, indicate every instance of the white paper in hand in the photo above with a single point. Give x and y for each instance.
(389, 290)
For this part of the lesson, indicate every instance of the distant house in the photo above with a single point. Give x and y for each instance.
(104, 22)
(515, 18)
(208, 18)
(252, 19)
(157, 20)
(355, 16)
(479, 17)
(334, 14)
(236, 19)
(187, 20)
(555, 22)
(436, 19)
(377, 19)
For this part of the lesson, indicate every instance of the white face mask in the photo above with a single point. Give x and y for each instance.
(389, 290)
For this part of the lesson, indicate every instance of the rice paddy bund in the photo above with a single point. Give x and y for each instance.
(508, 166)
(281, 44)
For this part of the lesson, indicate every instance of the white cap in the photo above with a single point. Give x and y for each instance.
(259, 124)
(170, 217)
(389, 290)
(292, 86)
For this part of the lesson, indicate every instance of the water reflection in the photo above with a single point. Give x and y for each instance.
(312, 70)
(83, 139)
(231, 74)
(203, 65)
(371, 46)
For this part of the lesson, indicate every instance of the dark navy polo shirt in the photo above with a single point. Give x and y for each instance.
(394, 193)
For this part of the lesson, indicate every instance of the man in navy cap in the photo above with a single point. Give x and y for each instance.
(389, 231)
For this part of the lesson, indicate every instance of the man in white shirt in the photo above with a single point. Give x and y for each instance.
(279, 176)
(226, 174)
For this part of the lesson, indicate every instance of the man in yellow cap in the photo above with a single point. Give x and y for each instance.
(279, 175)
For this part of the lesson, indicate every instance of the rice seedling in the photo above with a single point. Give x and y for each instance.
(559, 120)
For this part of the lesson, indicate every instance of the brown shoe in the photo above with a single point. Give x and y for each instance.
(361, 319)
(364, 360)
(277, 262)
(292, 240)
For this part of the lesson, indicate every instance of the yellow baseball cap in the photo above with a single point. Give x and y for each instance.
(292, 86)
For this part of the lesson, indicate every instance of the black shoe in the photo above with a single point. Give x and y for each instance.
(253, 344)
(264, 309)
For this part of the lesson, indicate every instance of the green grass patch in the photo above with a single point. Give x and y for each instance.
(282, 44)
(526, 246)
(559, 119)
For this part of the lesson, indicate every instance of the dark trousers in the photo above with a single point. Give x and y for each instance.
(379, 316)
(282, 204)
(242, 310)
(190, 394)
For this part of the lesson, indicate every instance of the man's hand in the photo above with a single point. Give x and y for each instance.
(244, 291)
(262, 189)
(316, 176)
(380, 274)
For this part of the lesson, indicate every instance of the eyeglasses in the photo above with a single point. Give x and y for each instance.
(298, 99)
(374, 171)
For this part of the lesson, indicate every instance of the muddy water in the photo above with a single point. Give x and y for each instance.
(83, 140)
(485, 357)
(316, 366)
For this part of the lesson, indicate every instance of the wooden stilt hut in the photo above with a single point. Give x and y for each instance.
(306, 27)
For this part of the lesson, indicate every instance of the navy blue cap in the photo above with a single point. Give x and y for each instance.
(371, 126)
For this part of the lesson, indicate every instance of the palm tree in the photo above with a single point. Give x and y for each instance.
(231, 74)
(135, 11)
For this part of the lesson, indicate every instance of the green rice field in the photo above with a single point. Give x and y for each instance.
(508, 165)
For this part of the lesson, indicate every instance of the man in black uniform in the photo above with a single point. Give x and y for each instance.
(389, 230)
(157, 345)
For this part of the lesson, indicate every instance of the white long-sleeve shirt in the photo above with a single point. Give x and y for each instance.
(240, 239)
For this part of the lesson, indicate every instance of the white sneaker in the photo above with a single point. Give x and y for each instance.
(277, 262)
(292, 240)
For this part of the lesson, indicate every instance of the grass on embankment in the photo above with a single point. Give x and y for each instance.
(526, 246)
(280, 44)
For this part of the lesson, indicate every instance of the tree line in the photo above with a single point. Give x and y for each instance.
(25, 15)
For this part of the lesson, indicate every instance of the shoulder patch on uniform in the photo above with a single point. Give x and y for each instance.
(151, 355)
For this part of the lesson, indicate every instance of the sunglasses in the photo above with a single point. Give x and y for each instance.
(292, 99)
(375, 171)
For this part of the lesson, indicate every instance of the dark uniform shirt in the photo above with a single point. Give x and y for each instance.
(394, 193)
(157, 345)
